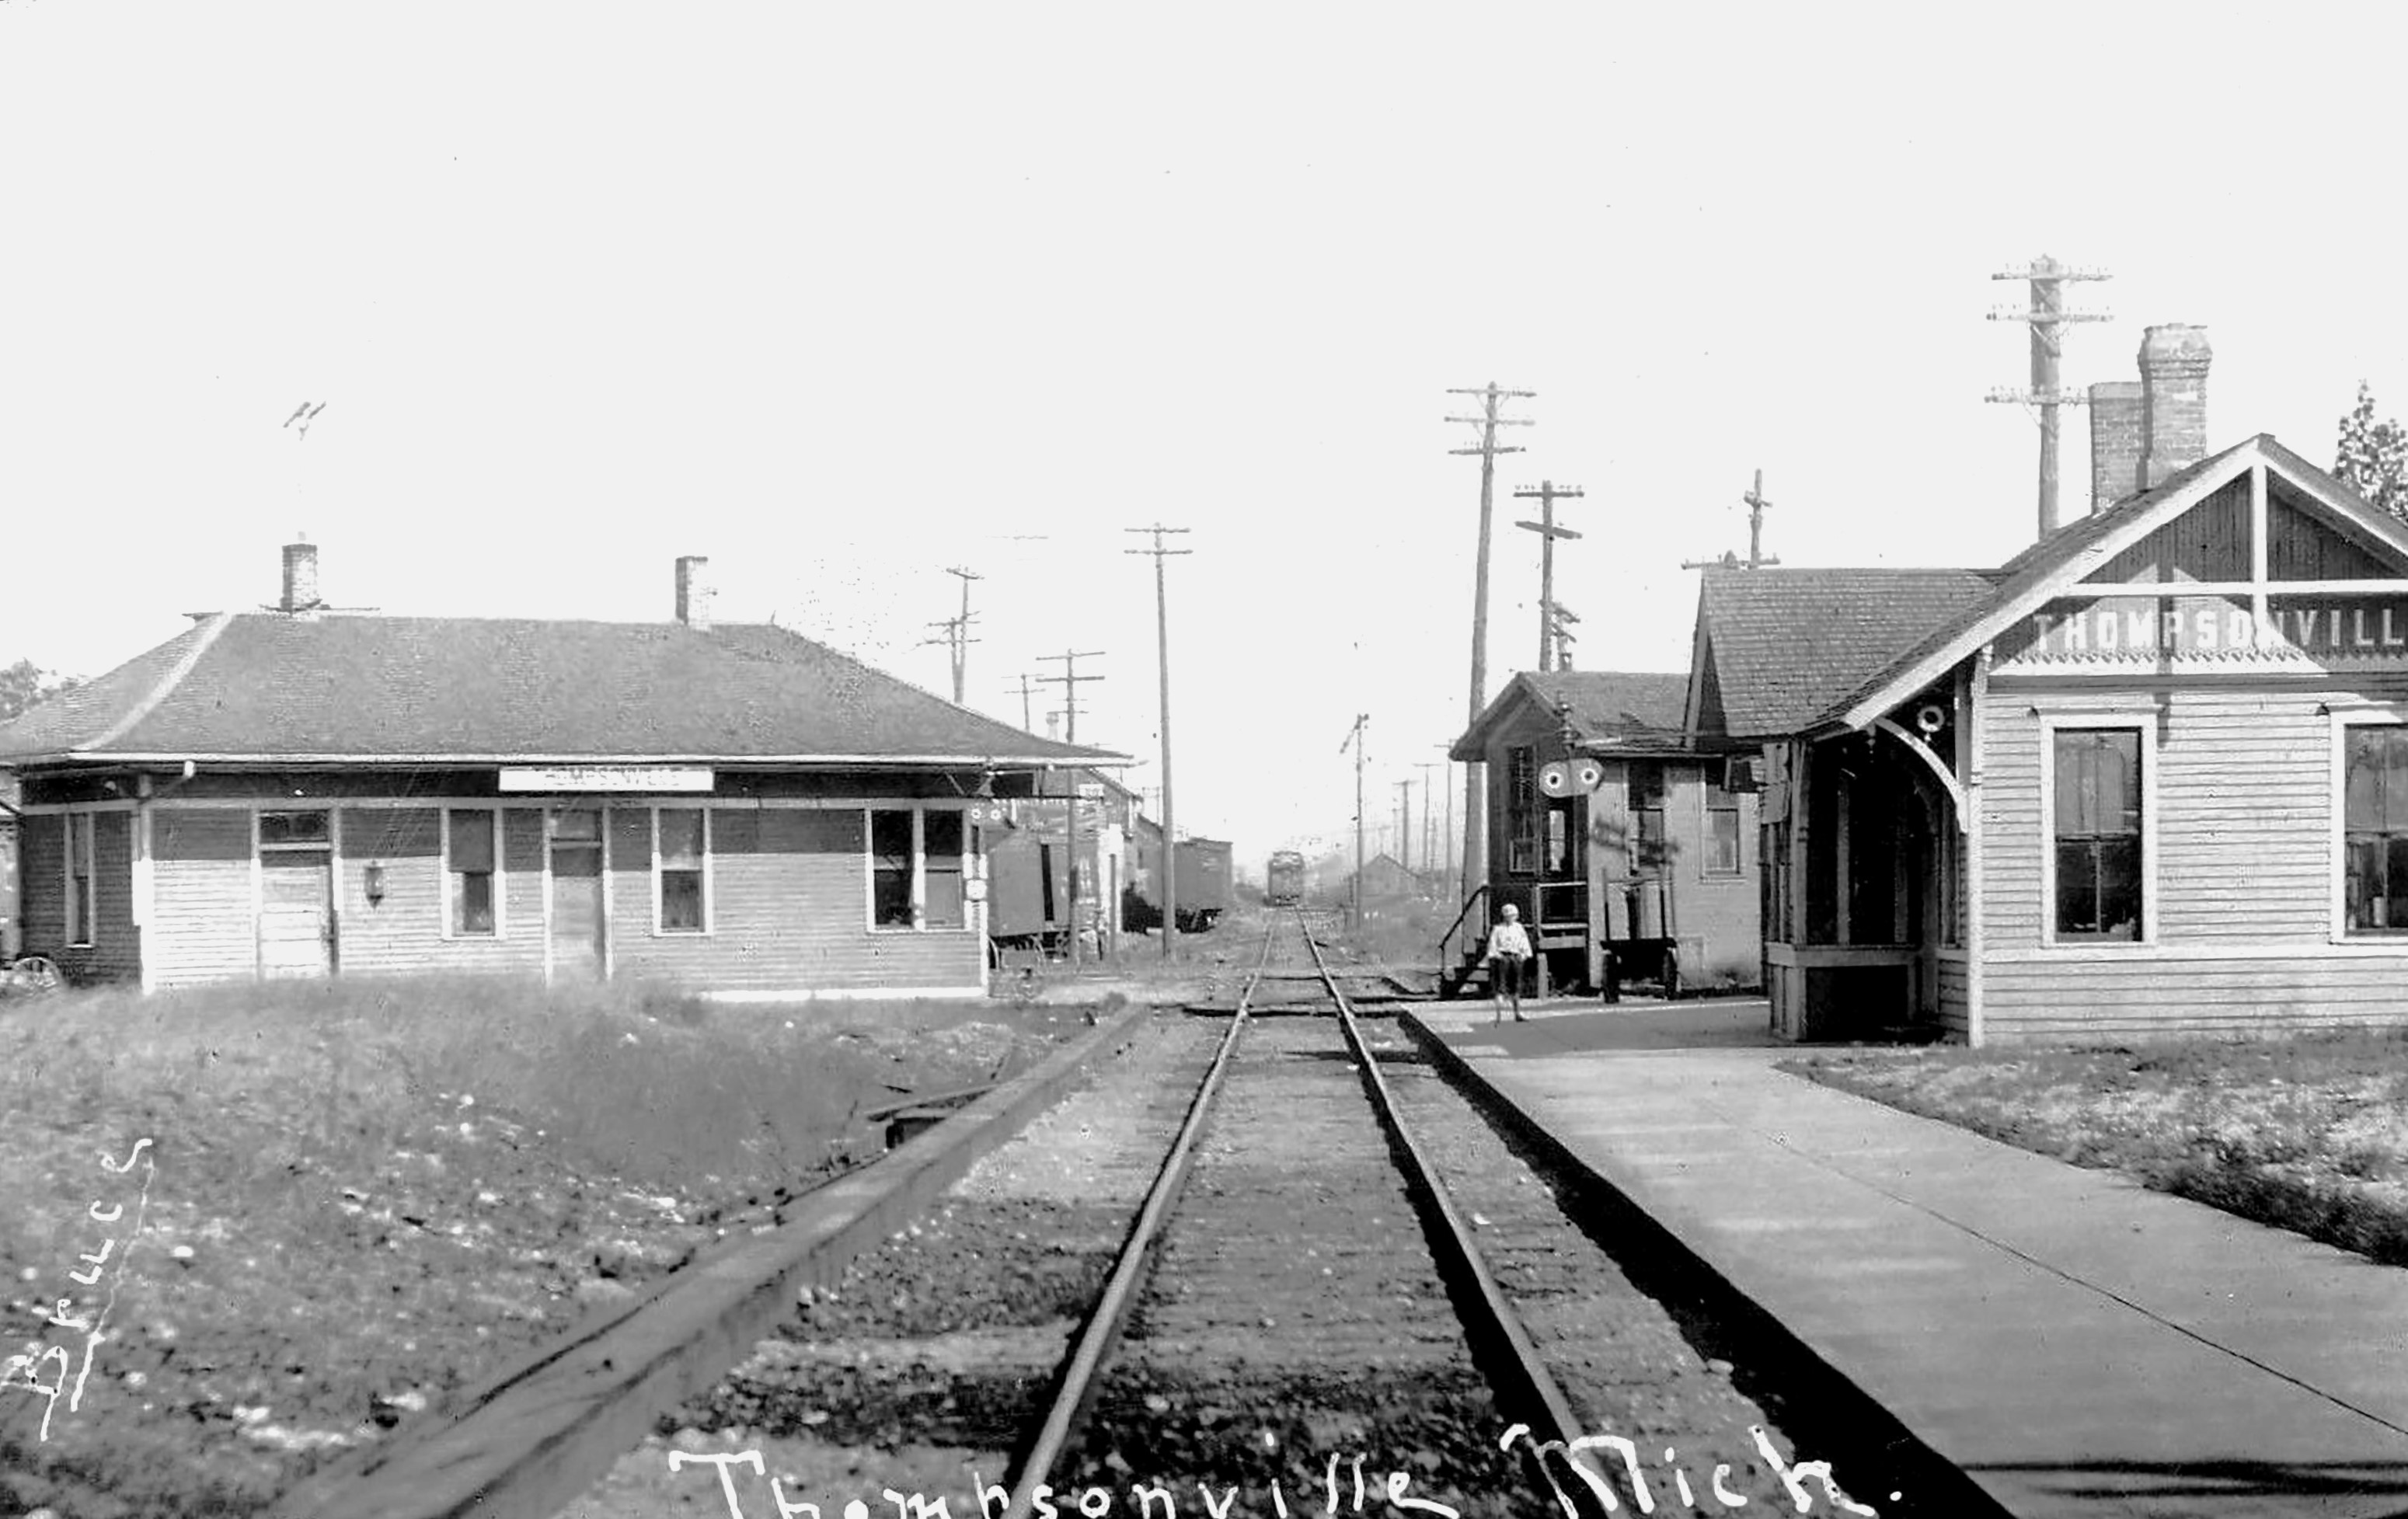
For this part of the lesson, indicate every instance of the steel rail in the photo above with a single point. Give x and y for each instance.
(1109, 1315)
(1521, 1367)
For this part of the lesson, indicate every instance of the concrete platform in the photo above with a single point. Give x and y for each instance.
(2076, 1344)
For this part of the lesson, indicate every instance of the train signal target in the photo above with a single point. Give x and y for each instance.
(1556, 780)
(1588, 773)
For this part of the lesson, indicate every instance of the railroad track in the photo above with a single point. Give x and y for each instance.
(1292, 1212)
(1267, 1259)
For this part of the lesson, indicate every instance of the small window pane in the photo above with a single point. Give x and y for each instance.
(890, 868)
(682, 833)
(1724, 861)
(681, 901)
(577, 824)
(2363, 781)
(472, 902)
(2394, 745)
(944, 834)
(295, 827)
(472, 841)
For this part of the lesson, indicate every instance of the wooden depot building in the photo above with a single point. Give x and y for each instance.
(2150, 776)
(1612, 830)
(300, 791)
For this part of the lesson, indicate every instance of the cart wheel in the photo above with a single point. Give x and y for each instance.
(35, 974)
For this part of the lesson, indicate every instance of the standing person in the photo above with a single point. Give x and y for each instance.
(1509, 948)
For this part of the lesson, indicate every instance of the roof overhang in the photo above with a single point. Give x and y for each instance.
(1094, 759)
(2255, 452)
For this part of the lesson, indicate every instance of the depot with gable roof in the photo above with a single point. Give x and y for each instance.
(305, 792)
(2150, 776)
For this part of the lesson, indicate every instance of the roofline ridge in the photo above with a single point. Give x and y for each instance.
(167, 684)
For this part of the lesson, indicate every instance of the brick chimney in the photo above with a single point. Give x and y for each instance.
(2115, 442)
(694, 591)
(2173, 400)
(300, 577)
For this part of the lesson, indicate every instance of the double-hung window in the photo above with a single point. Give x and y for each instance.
(2096, 833)
(681, 855)
(917, 866)
(83, 904)
(1647, 842)
(1722, 828)
(2374, 827)
(471, 846)
(1522, 810)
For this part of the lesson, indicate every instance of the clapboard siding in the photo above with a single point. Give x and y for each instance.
(2159, 997)
(2244, 813)
(404, 933)
(41, 872)
(115, 953)
(2244, 871)
(202, 926)
(789, 911)
(1953, 1004)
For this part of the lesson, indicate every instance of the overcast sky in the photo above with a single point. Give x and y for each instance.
(842, 296)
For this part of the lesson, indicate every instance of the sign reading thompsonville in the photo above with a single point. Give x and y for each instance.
(572, 777)
(2142, 627)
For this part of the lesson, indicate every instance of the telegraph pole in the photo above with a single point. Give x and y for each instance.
(1405, 824)
(961, 654)
(1756, 558)
(2046, 316)
(1068, 680)
(1028, 715)
(1355, 736)
(1432, 861)
(1162, 637)
(1488, 449)
(1547, 494)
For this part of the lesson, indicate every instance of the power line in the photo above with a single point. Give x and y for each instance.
(1492, 397)
(2046, 316)
(1162, 645)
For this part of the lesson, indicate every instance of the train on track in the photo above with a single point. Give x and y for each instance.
(1284, 884)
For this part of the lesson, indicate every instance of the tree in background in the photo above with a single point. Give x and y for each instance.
(25, 685)
(2372, 459)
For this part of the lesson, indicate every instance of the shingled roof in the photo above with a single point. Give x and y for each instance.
(1778, 646)
(1605, 705)
(342, 688)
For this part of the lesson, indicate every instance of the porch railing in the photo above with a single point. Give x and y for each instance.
(1449, 952)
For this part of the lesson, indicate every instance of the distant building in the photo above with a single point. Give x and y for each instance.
(309, 792)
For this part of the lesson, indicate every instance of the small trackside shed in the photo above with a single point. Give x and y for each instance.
(2149, 776)
(308, 792)
(1612, 831)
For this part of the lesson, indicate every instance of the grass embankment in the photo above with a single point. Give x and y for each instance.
(363, 1196)
(2308, 1133)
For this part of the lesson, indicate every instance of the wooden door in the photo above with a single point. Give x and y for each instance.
(577, 918)
(296, 913)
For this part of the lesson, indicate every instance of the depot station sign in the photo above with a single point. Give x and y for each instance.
(2126, 627)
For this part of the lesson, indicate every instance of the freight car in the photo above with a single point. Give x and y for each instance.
(1028, 883)
(1203, 882)
(1284, 884)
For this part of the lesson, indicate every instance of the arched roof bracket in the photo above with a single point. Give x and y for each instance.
(1938, 765)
